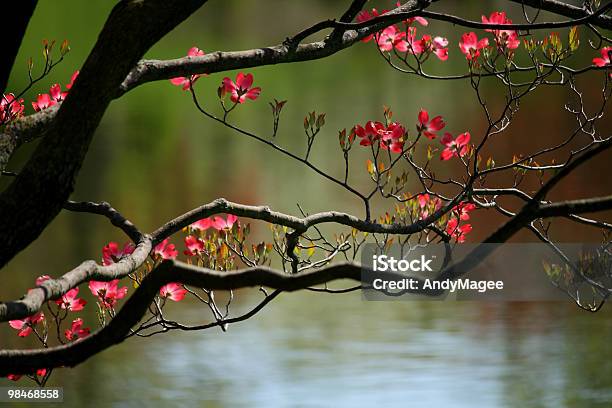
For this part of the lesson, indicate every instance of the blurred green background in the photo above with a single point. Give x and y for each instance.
(154, 157)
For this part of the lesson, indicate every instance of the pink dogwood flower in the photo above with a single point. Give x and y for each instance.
(56, 93)
(503, 38)
(429, 127)
(70, 302)
(416, 46)
(220, 224)
(439, 48)
(108, 292)
(25, 326)
(217, 223)
(391, 38)
(112, 254)
(456, 231)
(10, 108)
(165, 250)
(194, 245)
(184, 81)
(173, 291)
(43, 101)
(241, 89)
(470, 45)
(76, 330)
(374, 131)
(457, 147)
(55, 96)
(203, 224)
(396, 146)
(463, 209)
(605, 57)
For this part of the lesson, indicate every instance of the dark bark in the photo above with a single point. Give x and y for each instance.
(13, 30)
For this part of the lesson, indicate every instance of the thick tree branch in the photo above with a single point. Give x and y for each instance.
(54, 288)
(264, 213)
(24, 361)
(13, 30)
(88, 270)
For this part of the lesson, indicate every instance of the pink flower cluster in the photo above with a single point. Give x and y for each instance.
(503, 38)
(217, 223)
(389, 136)
(405, 40)
(461, 212)
(392, 136)
(55, 95)
(108, 293)
(69, 301)
(194, 244)
(470, 45)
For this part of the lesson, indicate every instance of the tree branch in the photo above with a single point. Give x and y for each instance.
(13, 30)
(88, 270)
(51, 289)
(565, 208)
(567, 10)
(109, 212)
(24, 361)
